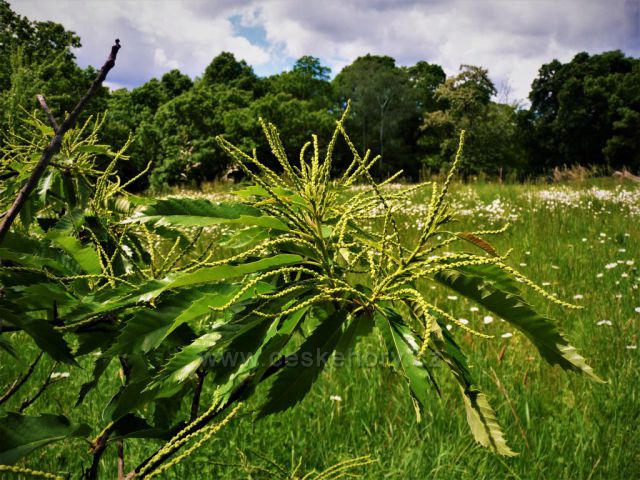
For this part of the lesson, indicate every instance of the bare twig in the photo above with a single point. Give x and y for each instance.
(56, 142)
(195, 403)
(98, 446)
(20, 381)
(48, 381)
(52, 120)
(120, 444)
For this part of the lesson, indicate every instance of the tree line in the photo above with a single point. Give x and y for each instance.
(583, 112)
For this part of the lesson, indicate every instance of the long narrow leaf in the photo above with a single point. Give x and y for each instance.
(498, 294)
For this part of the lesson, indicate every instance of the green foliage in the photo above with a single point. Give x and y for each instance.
(22, 434)
(93, 268)
(465, 103)
(584, 111)
(383, 103)
(37, 58)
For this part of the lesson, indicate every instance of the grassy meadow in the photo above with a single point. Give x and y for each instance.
(580, 241)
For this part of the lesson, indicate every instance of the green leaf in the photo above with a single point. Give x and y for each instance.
(480, 416)
(93, 149)
(87, 257)
(498, 292)
(99, 368)
(183, 364)
(147, 328)
(21, 434)
(198, 212)
(46, 184)
(43, 333)
(122, 297)
(206, 275)
(130, 397)
(359, 327)
(483, 423)
(295, 380)
(403, 348)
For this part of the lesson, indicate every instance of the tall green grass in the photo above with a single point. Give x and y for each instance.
(564, 426)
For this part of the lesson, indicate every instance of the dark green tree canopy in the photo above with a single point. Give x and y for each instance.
(383, 103)
(308, 80)
(586, 112)
(225, 69)
(175, 83)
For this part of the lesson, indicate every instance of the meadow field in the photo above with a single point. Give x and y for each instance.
(578, 240)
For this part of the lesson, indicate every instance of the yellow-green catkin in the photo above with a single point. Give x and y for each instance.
(29, 472)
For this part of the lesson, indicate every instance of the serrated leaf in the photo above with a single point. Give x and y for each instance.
(46, 184)
(198, 212)
(86, 256)
(43, 333)
(293, 382)
(483, 423)
(122, 297)
(359, 327)
(22, 434)
(147, 328)
(130, 397)
(480, 416)
(402, 347)
(98, 369)
(495, 290)
(478, 242)
(184, 363)
(209, 274)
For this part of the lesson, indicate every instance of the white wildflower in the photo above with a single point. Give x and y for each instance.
(487, 319)
(507, 335)
(604, 322)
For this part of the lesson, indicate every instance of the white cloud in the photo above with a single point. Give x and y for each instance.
(510, 38)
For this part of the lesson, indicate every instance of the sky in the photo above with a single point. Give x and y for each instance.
(512, 38)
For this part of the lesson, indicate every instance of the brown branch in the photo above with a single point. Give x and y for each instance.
(98, 446)
(121, 459)
(55, 143)
(52, 120)
(20, 381)
(195, 403)
(48, 381)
